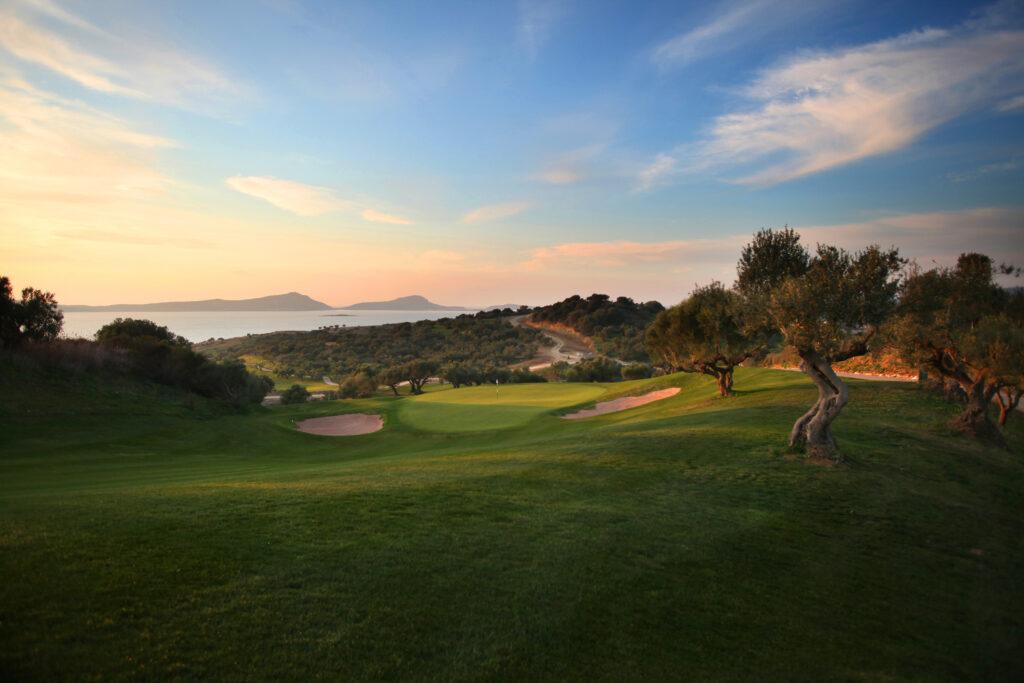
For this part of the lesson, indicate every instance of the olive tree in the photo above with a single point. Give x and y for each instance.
(711, 332)
(828, 311)
(958, 324)
(391, 377)
(417, 372)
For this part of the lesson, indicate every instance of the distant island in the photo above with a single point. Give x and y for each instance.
(292, 301)
(502, 307)
(404, 303)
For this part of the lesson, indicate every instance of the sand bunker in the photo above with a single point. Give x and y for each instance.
(342, 425)
(624, 403)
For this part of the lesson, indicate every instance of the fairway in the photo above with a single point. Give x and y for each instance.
(149, 534)
(474, 409)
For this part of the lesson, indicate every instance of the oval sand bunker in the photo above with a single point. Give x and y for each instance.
(342, 425)
(624, 403)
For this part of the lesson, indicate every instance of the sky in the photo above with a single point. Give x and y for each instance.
(484, 153)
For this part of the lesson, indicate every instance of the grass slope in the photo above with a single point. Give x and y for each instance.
(142, 536)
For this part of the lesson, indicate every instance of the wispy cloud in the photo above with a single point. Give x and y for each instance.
(495, 212)
(57, 149)
(572, 166)
(377, 217)
(1012, 104)
(305, 200)
(663, 166)
(735, 24)
(621, 253)
(34, 45)
(701, 41)
(981, 171)
(112, 64)
(537, 19)
(821, 110)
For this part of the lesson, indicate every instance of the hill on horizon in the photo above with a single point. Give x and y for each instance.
(292, 301)
(404, 303)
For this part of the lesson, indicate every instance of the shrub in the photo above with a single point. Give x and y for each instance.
(636, 371)
(296, 393)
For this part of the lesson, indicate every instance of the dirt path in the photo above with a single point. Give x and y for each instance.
(624, 403)
(564, 346)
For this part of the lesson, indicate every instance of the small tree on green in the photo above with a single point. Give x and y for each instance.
(391, 377)
(711, 332)
(417, 372)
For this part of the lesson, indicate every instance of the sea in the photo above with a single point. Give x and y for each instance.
(199, 326)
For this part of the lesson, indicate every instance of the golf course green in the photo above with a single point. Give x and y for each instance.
(147, 533)
(473, 409)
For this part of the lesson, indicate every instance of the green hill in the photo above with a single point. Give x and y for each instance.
(147, 535)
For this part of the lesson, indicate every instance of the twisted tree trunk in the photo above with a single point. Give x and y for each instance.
(723, 377)
(979, 387)
(975, 420)
(813, 430)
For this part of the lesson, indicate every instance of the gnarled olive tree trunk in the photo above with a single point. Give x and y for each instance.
(723, 376)
(813, 430)
(975, 420)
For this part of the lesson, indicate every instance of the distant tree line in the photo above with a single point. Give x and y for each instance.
(616, 328)
(480, 340)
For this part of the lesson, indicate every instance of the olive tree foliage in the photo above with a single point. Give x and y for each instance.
(711, 332)
(129, 331)
(417, 372)
(958, 324)
(35, 317)
(828, 310)
(772, 257)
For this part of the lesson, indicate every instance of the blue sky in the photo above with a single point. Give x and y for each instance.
(483, 153)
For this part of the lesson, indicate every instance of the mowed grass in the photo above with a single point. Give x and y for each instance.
(472, 409)
(145, 535)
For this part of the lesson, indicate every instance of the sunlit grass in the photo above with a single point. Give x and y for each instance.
(469, 409)
(153, 536)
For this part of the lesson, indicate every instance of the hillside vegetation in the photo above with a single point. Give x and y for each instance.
(147, 533)
(482, 339)
(615, 328)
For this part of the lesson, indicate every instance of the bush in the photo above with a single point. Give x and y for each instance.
(524, 376)
(296, 393)
(594, 370)
(154, 352)
(358, 385)
(636, 371)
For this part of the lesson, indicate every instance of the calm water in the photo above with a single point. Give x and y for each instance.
(199, 326)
